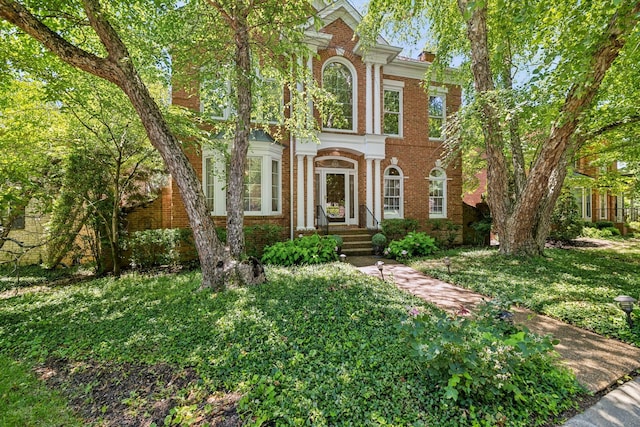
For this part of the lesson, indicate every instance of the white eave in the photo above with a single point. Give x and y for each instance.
(378, 54)
(415, 69)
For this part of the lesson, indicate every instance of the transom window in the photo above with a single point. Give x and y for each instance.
(338, 80)
(437, 193)
(393, 193)
(437, 115)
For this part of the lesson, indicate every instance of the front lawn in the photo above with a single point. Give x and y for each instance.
(313, 346)
(575, 285)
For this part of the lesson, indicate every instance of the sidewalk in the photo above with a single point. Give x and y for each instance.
(598, 362)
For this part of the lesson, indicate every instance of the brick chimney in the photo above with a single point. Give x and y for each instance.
(426, 56)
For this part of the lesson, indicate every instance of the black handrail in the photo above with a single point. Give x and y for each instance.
(366, 215)
(322, 221)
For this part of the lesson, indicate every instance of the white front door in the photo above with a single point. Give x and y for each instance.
(338, 195)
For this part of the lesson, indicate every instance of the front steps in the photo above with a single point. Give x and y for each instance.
(356, 241)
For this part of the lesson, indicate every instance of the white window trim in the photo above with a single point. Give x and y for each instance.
(354, 92)
(268, 152)
(444, 179)
(268, 80)
(585, 195)
(441, 92)
(395, 86)
(602, 205)
(227, 112)
(401, 179)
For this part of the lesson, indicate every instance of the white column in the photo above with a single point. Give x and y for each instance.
(377, 194)
(369, 99)
(369, 196)
(310, 102)
(300, 193)
(376, 99)
(310, 207)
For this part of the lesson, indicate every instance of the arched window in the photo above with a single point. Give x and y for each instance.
(338, 79)
(393, 193)
(437, 193)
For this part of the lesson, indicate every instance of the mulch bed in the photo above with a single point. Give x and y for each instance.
(137, 395)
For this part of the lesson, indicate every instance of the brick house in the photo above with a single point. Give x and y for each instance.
(382, 161)
(599, 203)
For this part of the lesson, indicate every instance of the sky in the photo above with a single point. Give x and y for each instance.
(409, 50)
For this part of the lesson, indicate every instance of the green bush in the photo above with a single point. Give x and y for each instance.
(487, 361)
(612, 231)
(413, 245)
(379, 240)
(338, 240)
(257, 237)
(162, 246)
(445, 231)
(566, 222)
(604, 224)
(482, 229)
(397, 228)
(312, 249)
(596, 233)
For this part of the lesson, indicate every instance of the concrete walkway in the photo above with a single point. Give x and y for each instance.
(598, 362)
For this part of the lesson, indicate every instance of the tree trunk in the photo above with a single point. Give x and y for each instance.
(523, 225)
(235, 187)
(118, 68)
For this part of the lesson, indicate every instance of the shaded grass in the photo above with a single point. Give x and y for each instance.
(25, 401)
(315, 345)
(575, 285)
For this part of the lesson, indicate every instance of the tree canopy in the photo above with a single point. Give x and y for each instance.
(542, 78)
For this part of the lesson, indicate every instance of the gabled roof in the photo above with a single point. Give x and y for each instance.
(331, 11)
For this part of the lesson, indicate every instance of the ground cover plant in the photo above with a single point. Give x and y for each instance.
(319, 345)
(576, 285)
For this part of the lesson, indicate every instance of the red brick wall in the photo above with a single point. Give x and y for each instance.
(416, 154)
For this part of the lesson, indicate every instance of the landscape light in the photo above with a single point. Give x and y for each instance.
(380, 265)
(626, 304)
(447, 262)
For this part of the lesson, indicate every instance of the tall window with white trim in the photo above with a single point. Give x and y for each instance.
(582, 197)
(437, 116)
(393, 193)
(338, 79)
(392, 120)
(437, 193)
(602, 202)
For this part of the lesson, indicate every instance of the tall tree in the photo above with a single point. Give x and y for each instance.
(267, 40)
(536, 69)
(112, 166)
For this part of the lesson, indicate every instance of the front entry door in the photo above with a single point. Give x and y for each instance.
(336, 200)
(337, 192)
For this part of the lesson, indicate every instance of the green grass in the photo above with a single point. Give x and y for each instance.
(30, 275)
(25, 401)
(315, 345)
(576, 286)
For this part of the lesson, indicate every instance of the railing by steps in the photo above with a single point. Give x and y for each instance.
(322, 221)
(367, 219)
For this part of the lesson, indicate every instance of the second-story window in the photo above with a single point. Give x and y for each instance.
(437, 113)
(215, 99)
(392, 109)
(338, 80)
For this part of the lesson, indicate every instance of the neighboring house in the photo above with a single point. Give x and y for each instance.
(25, 243)
(382, 161)
(600, 204)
